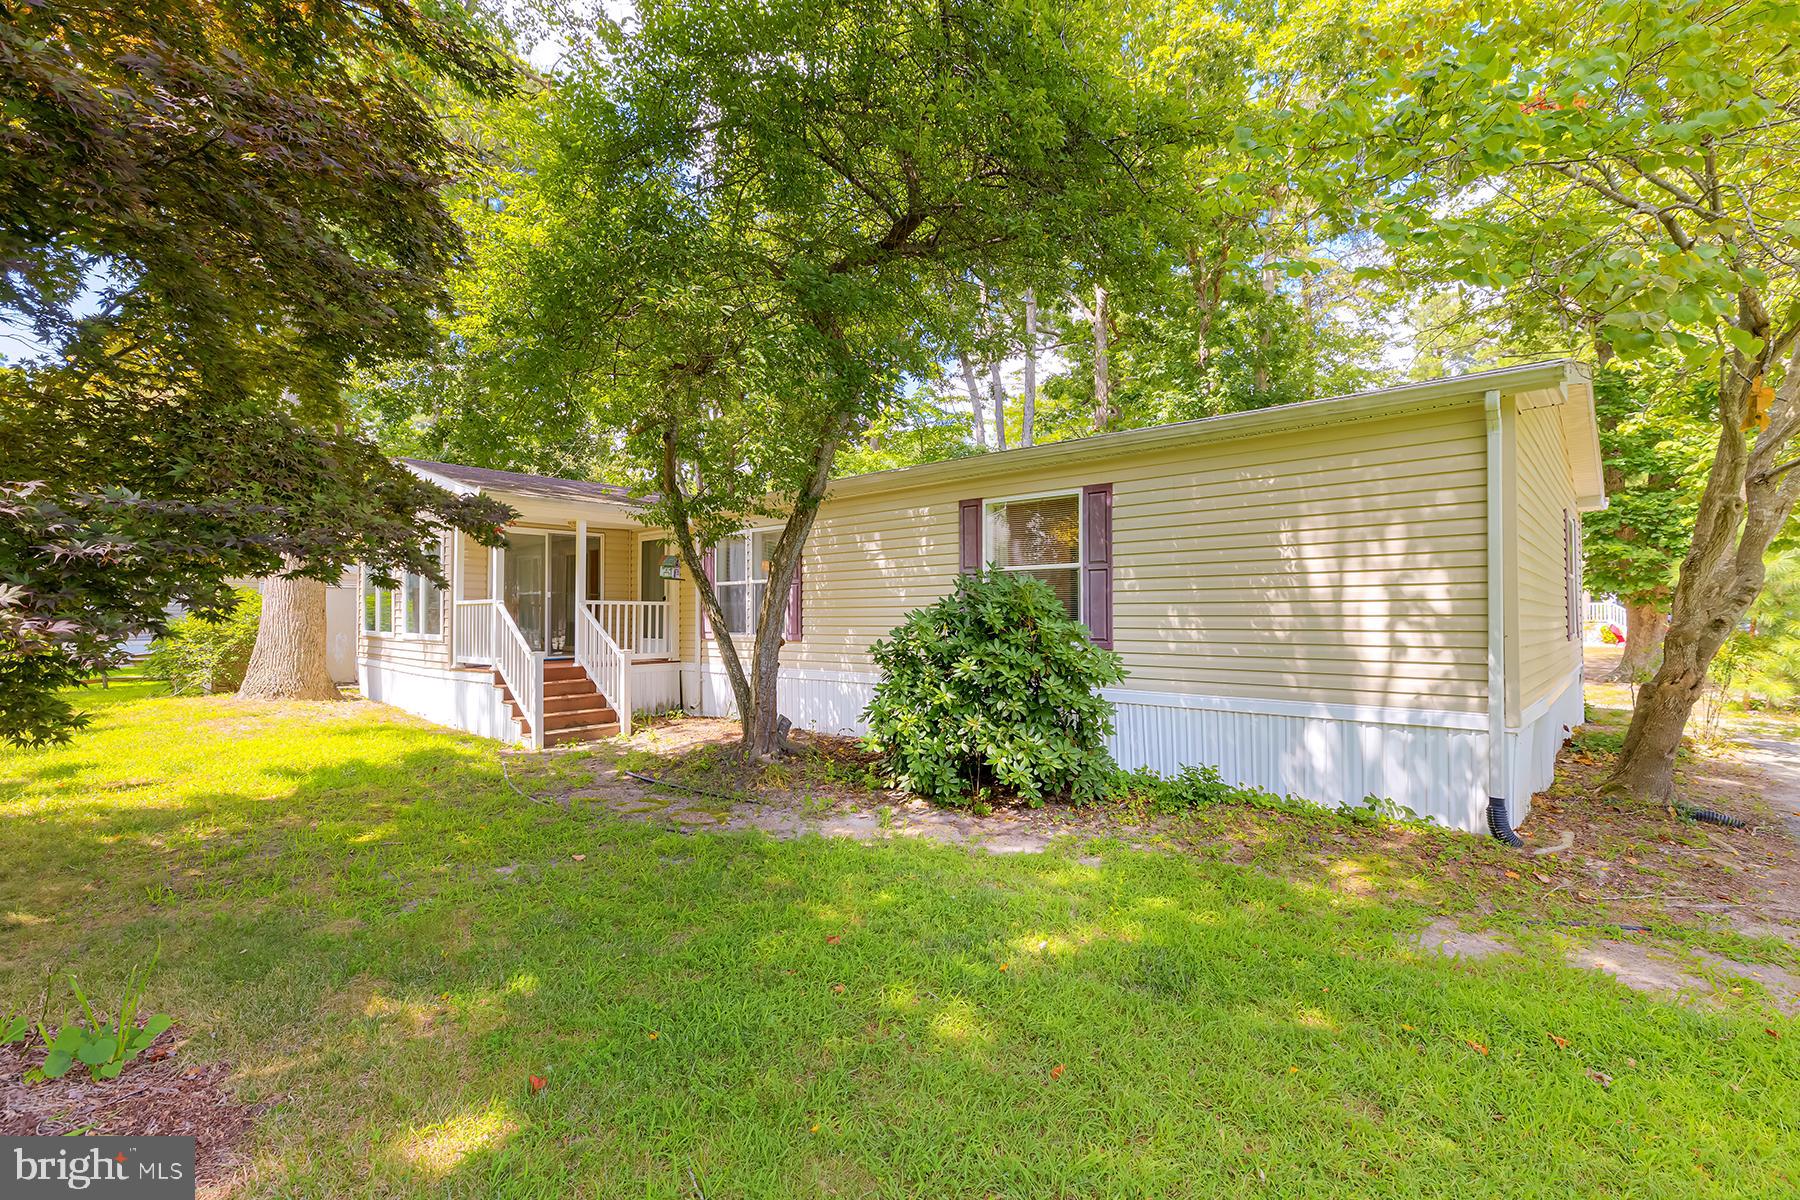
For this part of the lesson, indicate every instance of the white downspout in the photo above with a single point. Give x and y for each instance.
(1498, 786)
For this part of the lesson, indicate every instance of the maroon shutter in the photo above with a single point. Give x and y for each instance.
(795, 626)
(970, 533)
(1096, 562)
(706, 569)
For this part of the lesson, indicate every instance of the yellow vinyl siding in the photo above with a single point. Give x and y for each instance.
(475, 564)
(618, 566)
(1343, 565)
(1540, 652)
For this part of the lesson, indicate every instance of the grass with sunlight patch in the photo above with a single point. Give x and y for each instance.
(360, 914)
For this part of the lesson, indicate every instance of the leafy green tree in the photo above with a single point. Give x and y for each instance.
(1632, 165)
(1653, 440)
(734, 232)
(210, 213)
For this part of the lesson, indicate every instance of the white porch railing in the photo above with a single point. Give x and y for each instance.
(605, 663)
(1597, 609)
(522, 669)
(473, 631)
(642, 628)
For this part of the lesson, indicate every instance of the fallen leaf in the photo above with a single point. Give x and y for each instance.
(1512, 874)
(1476, 1046)
(1540, 877)
(1773, 1034)
(1056, 1071)
(815, 1129)
(1630, 1062)
(580, 858)
(1561, 1043)
(1293, 1070)
(832, 939)
(1003, 966)
(1601, 1078)
(537, 1083)
(1408, 1028)
(653, 1035)
(838, 988)
(1631, 860)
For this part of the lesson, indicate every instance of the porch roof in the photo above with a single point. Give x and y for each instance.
(519, 483)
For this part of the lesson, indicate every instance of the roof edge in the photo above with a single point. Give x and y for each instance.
(1411, 397)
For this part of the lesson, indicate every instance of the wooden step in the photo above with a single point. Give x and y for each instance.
(568, 687)
(572, 701)
(580, 733)
(599, 714)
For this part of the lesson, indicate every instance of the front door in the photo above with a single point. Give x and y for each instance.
(538, 587)
(526, 582)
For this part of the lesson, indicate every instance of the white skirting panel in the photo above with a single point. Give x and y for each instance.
(1434, 767)
(1434, 763)
(1531, 749)
(655, 687)
(822, 701)
(466, 700)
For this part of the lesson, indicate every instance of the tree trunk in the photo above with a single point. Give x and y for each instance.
(1748, 497)
(763, 736)
(1103, 409)
(288, 661)
(968, 374)
(1261, 378)
(1645, 625)
(757, 691)
(1027, 433)
(997, 397)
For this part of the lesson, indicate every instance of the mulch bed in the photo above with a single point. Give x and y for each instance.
(157, 1095)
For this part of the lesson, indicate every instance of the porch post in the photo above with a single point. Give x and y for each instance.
(453, 565)
(580, 566)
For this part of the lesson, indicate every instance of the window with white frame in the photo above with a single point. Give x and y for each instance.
(741, 576)
(378, 606)
(1039, 536)
(415, 609)
(424, 600)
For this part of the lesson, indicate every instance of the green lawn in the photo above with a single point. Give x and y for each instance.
(358, 913)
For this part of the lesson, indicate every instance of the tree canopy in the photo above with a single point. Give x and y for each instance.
(732, 235)
(211, 214)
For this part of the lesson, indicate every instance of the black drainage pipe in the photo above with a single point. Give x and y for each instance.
(1500, 825)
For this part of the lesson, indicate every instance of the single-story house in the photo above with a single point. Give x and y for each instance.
(1374, 595)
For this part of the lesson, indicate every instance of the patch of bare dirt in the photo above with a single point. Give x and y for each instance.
(1446, 937)
(159, 1094)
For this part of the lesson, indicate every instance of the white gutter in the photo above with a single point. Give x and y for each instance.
(1496, 601)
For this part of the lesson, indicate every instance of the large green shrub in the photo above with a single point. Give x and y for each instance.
(198, 656)
(994, 687)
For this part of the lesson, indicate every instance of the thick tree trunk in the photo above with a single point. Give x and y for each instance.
(968, 374)
(1027, 433)
(1748, 497)
(289, 660)
(1645, 626)
(1103, 408)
